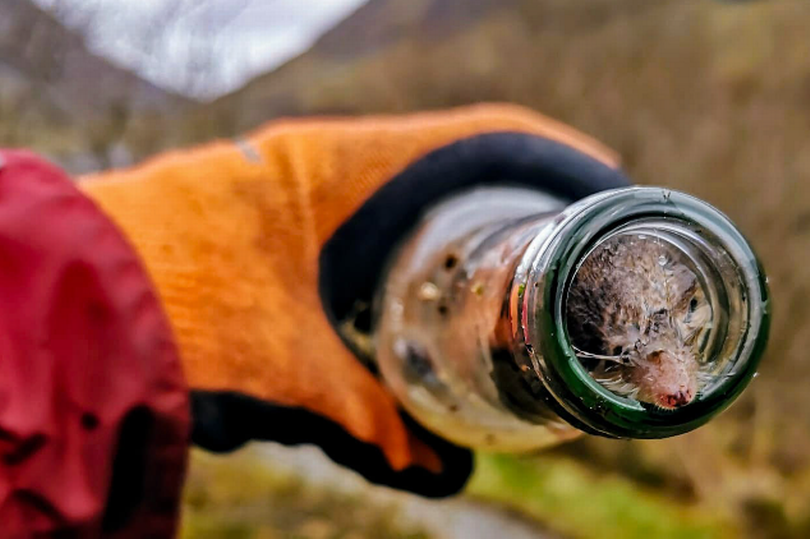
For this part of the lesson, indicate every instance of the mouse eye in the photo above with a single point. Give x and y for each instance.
(693, 303)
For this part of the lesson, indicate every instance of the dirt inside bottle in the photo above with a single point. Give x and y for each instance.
(446, 346)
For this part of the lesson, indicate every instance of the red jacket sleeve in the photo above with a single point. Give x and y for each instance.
(94, 419)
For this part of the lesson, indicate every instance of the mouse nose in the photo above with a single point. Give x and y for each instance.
(679, 399)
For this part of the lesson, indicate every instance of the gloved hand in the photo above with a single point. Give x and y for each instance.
(266, 250)
(262, 247)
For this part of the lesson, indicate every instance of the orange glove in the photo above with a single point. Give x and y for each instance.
(262, 250)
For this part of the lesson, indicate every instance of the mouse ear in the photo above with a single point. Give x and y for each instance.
(683, 285)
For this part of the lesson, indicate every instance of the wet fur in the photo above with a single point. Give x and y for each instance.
(633, 314)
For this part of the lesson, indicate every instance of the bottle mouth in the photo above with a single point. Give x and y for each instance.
(658, 308)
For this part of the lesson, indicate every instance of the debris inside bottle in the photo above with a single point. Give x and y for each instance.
(429, 292)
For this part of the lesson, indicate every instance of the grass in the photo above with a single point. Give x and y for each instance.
(582, 504)
(247, 496)
(243, 496)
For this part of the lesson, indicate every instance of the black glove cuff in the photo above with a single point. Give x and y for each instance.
(493, 159)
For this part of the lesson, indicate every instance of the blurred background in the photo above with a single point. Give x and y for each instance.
(711, 97)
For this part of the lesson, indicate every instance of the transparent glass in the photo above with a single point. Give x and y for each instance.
(477, 328)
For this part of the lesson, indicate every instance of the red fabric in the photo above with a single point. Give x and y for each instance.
(94, 418)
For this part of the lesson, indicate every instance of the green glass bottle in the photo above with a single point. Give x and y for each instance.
(511, 321)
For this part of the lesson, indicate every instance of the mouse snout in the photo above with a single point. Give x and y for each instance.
(679, 398)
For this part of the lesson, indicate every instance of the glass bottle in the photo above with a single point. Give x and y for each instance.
(479, 328)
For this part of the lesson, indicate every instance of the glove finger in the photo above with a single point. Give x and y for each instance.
(224, 421)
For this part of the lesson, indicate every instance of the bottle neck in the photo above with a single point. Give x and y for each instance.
(442, 337)
(480, 335)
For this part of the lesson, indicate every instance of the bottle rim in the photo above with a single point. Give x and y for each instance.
(577, 230)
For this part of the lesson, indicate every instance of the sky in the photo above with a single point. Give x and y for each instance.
(203, 48)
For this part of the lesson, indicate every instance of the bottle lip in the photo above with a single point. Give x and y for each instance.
(577, 230)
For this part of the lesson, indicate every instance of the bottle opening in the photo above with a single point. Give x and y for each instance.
(658, 309)
(654, 311)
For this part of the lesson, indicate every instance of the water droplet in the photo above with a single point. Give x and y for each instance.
(662, 260)
(767, 280)
(756, 374)
(642, 236)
